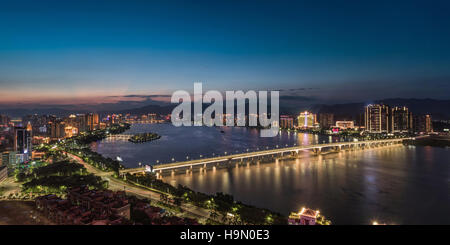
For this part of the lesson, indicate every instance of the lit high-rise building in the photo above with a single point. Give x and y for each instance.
(57, 130)
(22, 141)
(81, 123)
(306, 120)
(92, 121)
(377, 118)
(401, 120)
(286, 121)
(423, 124)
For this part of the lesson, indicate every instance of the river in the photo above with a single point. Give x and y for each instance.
(395, 184)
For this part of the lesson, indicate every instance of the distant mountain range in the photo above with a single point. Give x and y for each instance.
(439, 109)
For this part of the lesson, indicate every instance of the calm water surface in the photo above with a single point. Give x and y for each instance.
(400, 184)
(178, 143)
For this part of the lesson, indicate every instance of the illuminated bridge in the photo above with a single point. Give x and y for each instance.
(237, 158)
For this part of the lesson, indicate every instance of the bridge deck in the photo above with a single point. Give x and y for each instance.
(217, 159)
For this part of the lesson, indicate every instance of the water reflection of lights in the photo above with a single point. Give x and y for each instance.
(307, 175)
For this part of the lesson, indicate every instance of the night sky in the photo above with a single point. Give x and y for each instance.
(327, 51)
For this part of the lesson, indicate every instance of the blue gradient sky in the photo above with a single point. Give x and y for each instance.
(84, 51)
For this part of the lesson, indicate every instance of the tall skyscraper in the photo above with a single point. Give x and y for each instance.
(377, 118)
(22, 141)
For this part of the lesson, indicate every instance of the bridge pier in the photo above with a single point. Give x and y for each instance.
(317, 151)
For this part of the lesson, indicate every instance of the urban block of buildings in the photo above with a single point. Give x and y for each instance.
(376, 119)
(86, 207)
(385, 119)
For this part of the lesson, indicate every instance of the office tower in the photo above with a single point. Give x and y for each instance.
(22, 141)
(377, 118)
(306, 120)
(326, 120)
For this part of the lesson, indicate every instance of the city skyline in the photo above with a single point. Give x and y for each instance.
(112, 52)
(224, 121)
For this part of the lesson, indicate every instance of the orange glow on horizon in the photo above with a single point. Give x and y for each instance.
(47, 98)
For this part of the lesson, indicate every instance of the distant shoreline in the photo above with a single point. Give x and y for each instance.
(435, 141)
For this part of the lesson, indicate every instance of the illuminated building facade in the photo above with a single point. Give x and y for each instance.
(306, 120)
(57, 129)
(401, 120)
(81, 123)
(345, 124)
(305, 217)
(377, 118)
(92, 121)
(9, 158)
(286, 122)
(70, 131)
(423, 124)
(23, 141)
